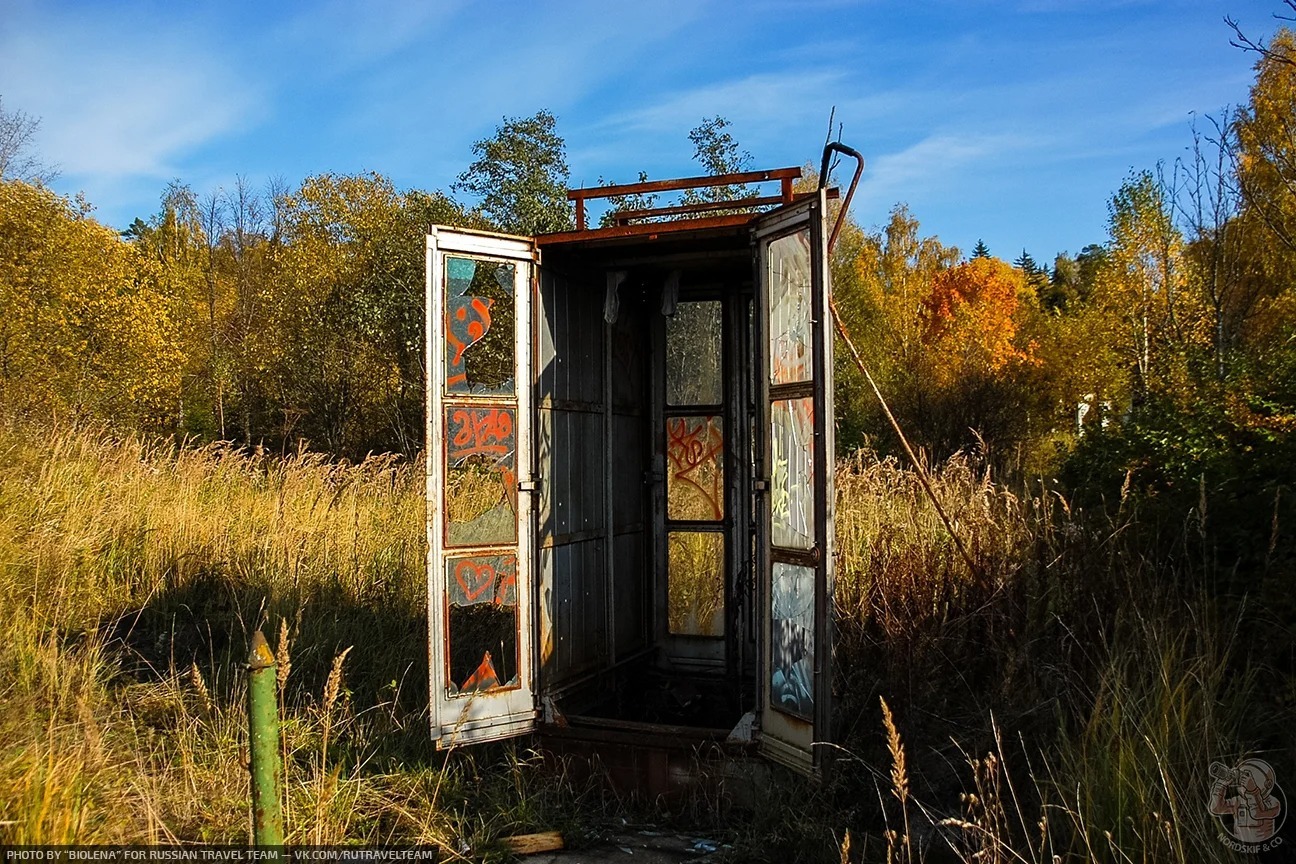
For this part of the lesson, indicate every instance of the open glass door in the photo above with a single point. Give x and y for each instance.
(795, 510)
(480, 530)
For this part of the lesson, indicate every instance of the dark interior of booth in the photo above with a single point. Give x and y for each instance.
(645, 448)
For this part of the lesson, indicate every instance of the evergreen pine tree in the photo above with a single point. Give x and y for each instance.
(1026, 264)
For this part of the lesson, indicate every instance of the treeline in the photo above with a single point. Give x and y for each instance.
(278, 318)
(285, 317)
(270, 317)
(1168, 350)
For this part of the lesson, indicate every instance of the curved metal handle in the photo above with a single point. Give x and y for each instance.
(823, 181)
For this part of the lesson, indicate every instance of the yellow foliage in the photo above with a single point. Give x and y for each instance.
(86, 330)
(970, 323)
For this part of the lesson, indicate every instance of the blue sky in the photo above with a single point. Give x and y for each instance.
(1008, 121)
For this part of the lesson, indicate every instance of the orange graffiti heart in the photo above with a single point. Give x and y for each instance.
(474, 579)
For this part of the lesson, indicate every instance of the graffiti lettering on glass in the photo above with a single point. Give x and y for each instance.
(792, 507)
(792, 639)
(791, 338)
(479, 352)
(481, 475)
(695, 484)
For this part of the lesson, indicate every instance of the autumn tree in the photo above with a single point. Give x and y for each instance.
(175, 245)
(717, 151)
(880, 279)
(216, 260)
(977, 367)
(349, 314)
(86, 330)
(1266, 141)
(520, 176)
(1141, 283)
(17, 139)
(968, 316)
(1225, 257)
(300, 311)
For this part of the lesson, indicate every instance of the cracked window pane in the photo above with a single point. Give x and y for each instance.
(693, 361)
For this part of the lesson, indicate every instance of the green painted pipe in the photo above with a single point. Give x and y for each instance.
(263, 720)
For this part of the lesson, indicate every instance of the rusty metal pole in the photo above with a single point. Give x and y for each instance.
(263, 749)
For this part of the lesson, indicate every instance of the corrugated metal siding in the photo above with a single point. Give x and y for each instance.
(631, 575)
(577, 465)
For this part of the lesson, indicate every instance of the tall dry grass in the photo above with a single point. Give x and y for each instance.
(132, 574)
(1064, 696)
(1070, 687)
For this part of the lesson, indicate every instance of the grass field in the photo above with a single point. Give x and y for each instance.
(1071, 691)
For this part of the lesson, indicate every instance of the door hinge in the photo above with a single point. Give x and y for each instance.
(532, 485)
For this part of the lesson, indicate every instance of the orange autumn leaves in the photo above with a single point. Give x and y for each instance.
(970, 324)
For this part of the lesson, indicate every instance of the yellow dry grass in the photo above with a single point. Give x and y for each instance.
(133, 572)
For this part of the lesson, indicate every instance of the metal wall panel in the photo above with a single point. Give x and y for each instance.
(630, 583)
(629, 359)
(628, 464)
(572, 455)
(574, 598)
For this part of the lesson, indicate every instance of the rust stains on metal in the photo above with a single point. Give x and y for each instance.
(650, 229)
(839, 147)
(785, 176)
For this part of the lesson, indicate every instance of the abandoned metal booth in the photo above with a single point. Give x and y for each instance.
(630, 434)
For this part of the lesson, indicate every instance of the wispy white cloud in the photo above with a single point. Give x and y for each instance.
(485, 64)
(117, 101)
(935, 162)
(780, 117)
(337, 37)
(754, 101)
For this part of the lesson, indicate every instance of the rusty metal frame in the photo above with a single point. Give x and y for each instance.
(829, 149)
(785, 176)
(648, 230)
(625, 217)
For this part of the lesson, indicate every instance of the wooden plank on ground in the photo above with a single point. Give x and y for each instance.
(529, 844)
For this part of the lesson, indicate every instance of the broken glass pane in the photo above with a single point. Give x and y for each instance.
(482, 614)
(695, 583)
(693, 364)
(790, 338)
(483, 649)
(480, 475)
(792, 646)
(472, 580)
(695, 479)
(479, 332)
(792, 507)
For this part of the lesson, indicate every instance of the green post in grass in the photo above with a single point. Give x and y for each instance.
(263, 721)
